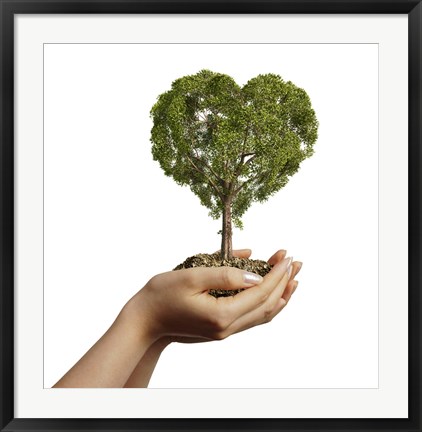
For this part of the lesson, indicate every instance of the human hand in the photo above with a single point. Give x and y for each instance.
(278, 256)
(177, 305)
(246, 253)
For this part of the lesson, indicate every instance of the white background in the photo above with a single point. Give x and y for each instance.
(390, 399)
(113, 220)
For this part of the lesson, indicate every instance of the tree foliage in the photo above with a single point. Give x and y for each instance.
(232, 144)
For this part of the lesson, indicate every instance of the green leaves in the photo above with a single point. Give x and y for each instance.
(227, 142)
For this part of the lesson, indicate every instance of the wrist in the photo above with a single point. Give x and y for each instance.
(136, 318)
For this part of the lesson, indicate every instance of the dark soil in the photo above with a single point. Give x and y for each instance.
(214, 260)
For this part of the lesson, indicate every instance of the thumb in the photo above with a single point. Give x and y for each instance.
(222, 278)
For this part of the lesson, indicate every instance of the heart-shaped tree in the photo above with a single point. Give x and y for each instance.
(232, 145)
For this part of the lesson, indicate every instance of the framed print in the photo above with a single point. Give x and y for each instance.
(148, 149)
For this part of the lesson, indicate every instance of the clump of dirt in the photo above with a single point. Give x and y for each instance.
(214, 260)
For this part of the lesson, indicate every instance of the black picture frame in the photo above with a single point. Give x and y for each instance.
(8, 9)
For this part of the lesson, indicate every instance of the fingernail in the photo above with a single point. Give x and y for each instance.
(289, 271)
(284, 265)
(251, 278)
(287, 262)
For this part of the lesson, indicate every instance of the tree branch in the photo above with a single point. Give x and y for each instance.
(205, 175)
(242, 159)
(243, 163)
(220, 180)
(199, 159)
(259, 176)
(251, 159)
(255, 177)
(243, 155)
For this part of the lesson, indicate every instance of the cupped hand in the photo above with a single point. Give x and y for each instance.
(177, 304)
(289, 290)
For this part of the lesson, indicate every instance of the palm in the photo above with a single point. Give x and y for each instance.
(244, 253)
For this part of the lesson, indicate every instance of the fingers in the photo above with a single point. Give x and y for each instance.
(277, 257)
(292, 285)
(264, 313)
(290, 289)
(242, 253)
(275, 303)
(202, 279)
(296, 267)
(252, 298)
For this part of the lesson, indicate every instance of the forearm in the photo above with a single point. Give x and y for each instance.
(142, 374)
(110, 362)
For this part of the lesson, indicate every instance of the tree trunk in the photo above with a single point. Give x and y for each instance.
(226, 241)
